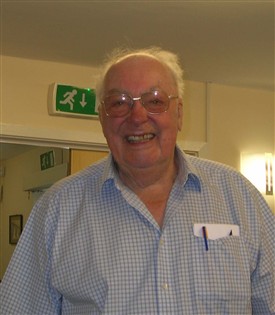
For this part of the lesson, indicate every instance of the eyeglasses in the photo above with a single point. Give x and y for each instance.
(119, 104)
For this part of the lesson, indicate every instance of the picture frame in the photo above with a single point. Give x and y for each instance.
(15, 228)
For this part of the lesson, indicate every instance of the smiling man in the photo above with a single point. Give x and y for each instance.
(141, 114)
(147, 230)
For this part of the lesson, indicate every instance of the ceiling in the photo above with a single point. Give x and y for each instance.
(226, 42)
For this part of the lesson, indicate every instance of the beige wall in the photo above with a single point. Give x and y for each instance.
(233, 120)
(15, 202)
(25, 84)
(239, 120)
(219, 121)
(14, 199)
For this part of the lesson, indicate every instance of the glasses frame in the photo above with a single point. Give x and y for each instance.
(133, 99)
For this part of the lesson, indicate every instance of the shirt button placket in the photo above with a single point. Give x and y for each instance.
(163, 272)
(165, 286)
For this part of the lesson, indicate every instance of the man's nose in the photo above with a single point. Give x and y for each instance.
(138, 112)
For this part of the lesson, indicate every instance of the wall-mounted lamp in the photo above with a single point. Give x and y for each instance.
(258, 169)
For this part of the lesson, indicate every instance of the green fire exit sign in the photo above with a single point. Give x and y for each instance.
(46, 160)
(72, 101)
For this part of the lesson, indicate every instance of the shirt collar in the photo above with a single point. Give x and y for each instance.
(186, 170)
(109, 169)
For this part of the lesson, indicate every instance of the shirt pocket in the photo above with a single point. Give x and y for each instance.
(221, 276)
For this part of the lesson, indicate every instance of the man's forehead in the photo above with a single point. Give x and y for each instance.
(141, 63)
(137, 70)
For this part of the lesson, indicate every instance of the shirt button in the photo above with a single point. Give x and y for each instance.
(165, 286)
(161, 242)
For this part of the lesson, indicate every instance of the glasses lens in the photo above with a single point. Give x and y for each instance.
(117, 105)
(155, 101)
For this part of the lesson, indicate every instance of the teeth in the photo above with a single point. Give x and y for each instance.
(145, 137)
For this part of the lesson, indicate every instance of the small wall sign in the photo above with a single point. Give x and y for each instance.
(47, 160)
(68, 100)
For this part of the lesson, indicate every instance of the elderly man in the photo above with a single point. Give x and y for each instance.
(147, 230)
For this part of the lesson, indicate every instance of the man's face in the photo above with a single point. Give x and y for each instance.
(140, 139)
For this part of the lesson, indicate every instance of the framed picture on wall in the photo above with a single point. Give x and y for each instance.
(16, 227)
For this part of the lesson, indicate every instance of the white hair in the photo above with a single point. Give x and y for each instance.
(167, 58)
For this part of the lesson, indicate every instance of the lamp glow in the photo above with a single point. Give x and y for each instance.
(258, 168)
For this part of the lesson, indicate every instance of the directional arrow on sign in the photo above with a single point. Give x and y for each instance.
(83, 102)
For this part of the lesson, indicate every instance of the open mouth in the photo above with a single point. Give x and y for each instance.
(140, 138)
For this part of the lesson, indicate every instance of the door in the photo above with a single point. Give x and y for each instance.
(80, 159)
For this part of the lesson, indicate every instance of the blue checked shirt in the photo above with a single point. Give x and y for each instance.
(91, 247)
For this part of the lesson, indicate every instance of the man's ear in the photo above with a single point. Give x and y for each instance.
(180, 114)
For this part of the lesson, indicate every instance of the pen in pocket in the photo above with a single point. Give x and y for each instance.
(204, 233)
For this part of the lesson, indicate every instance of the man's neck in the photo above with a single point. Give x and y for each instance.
(137, 179)
(152, 186)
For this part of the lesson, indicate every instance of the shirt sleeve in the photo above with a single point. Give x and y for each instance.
(262, 277)
(26, 286)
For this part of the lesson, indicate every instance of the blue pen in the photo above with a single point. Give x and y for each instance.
(204, 233)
